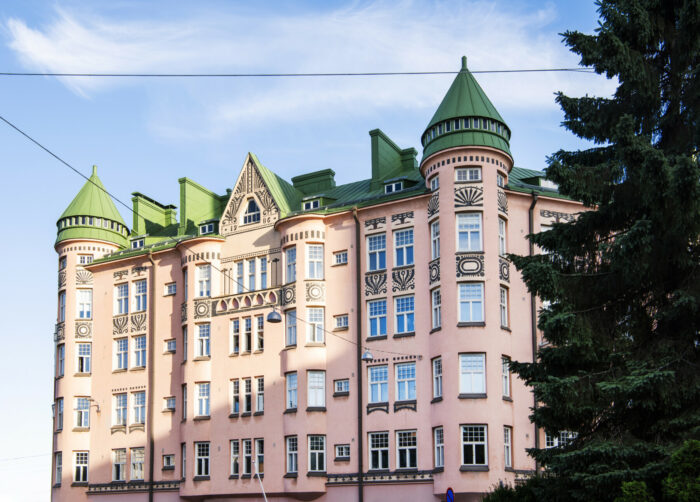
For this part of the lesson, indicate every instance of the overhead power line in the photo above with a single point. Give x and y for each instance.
(246, 290)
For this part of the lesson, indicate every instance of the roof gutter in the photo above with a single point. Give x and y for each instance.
(533, 317)
(358, 362)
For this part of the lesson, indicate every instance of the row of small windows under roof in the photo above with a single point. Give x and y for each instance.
(92, 221)
(466, 123)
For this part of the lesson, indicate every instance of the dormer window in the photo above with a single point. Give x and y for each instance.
(207, 228)
(138, 243)
(393, 187)
(311, 204)
(448, 126)
(252, 212)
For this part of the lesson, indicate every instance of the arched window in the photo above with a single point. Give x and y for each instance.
(252, 213)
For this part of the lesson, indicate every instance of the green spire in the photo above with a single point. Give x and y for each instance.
(466, 117)
(92, 215)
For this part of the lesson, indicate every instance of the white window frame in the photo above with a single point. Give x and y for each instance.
(58, 467)
(291, 390)
(235, 457)
(314, 261)
(121, 299)
(247, 395)
(434, 183)
(138, 455)
(259, 326)
(404, 313)
(81, 462)
(405, 375)
(505, 376)
(475, 444)
(342, 452)
(290, 318)
(203, 399)
(240, 276)
(259, 394)
(378, 386)
(247, 456)
(202, 452)
(260, 455)
(436, 307)
(59, 414)
(138, 243)
(60, 359)
(439, 447)
(204, 340)
(204, 281)
(503, 306)
(340, 258)
(403, 248)
(235, 396)
(507, 447)
(62, 306)
(472, 373)
(263, 272)
(315, 332)
(121, 409)
(290, 260)
(170, 289)
(83, 358)
(138, 400)
(316, 388)
(140, 295)
(501, 237)
(84, 304)
(396, 186)
(341, 386)
(407, 449)
(292, 454)
(471, 225)
(437, 377)
(467, 174)
(251, 274)
(235, 336)
(312, 204)
(169, 461)
(435, 240)
(381, 448)
(376, 313)
(317, 452)
(342, 321)
(252, 212)
(140, 344)
(376, 248)
(474, 304)
(207, 228)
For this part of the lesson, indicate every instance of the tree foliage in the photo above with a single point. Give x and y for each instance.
(622, 366)
(683, 482)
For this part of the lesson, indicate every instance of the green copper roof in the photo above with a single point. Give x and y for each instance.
(287, 197)
(466, 98)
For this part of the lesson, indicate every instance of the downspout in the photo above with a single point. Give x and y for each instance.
(358, 327)
(151, 350)
(533, 318)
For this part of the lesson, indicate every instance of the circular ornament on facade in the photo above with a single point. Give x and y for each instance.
(315, 292)
(434, 271)
(201, 309)
(288, 295)
(82, 330)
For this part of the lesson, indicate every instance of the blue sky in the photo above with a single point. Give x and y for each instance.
(146, 133)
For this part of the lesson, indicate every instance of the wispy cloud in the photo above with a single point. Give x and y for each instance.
(376, 36)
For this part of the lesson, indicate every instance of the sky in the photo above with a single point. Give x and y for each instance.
(145, 133)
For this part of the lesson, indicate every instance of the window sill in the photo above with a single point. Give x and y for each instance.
(245, 353)
(118, 428)
(81, 429)
(168, 352)
(474, 468)
(376, 271)
(202, 358)
(56, 485)
(287, 347)
(59, 377)
(403, 335)
(258, 413)
(138, 368)
(339, 264)
(436, 400)
(374, 338)
(341, 328)
(79, 483)
(233, 415)
(120, 370)
(169, 294)
(136, 427)
(200, 478)
(245, 414)
(341, 394)
(291, 475)
(341, 459)
(233, 476)
(245, 476)
(438, 470)
(315, 408)
(168, 468)
(201, 417)
(289, 411)
(435, 330)
(509, 469)
(316, 474)
(168, 410)
(315, 344)
(378, 406)
(508, 398)
(469, 182)
(259, 351)
(233, 354)
(409, 404)
(407, 469)
(80, 375)
(470, 324)
(378, 471)
(473, 396)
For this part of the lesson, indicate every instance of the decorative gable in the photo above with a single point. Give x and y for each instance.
(250, 184)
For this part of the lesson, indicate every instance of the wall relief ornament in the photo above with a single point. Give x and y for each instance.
(83, 330)
(83, 277)
(469, 265)
(315, 292)
(504, 269)
(402, 217)
(202, 309)
(61, 279)
(289, 294)
(375, 284)
(120, 274)
(502, 202)
(137, 271)
(546, 213)
(375, 223)
(469, 196)
(433, 205)
(434, 270)
(403, 279)
(183, 312)
(120, 325)
(59, 332)
(138, 322)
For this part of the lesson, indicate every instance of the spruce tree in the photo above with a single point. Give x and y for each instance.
(621, 361)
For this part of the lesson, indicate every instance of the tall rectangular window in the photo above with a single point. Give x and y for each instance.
(84, 357)
(247, 456)
(437, 377)
(62, 306)
(187, 283)
(314, 323)
(291, 401)
(376, 247)
(204, 280)
(247, 395)
(235, 396)
(317, 453)
(406, 450)
(259, 333)
(406, 381)
(435, 240)
(120, 409)
(314, 261)
(184, 343)
(316, 389)
(140, 296)
(183, 458)
(291, 324)
(292, 454)
(290, 259)
(403, 247)
(121, 354)
(503, 305)
(248, 334)
(137, 458)
(378, 384)
(260, 395)
(235, 455)
(378, 450)
(472, 373)
(474, 450)
(240, 280)
(58, 463)
(121, 299)
(507, 447)
(60, 360)
(471, 302)
(501, 236)
(80, 460)
(260, 456)
(235, 336)
(84, 304)
(184, 401)
(201, 458)
(469, 232)
(251, 274)
(436, 308)
(404, 309)
(203, 340)
(59, 414)
(82, 412)
(377, 317)
(140, 351)
(505, 375)
(203, 390)
(139, 400)
(439, 445)
(263, 273)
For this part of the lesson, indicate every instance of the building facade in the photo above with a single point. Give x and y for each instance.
(176, 380)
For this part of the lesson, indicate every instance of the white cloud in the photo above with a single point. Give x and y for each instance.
(378, 36)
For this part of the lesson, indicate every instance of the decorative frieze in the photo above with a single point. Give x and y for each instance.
(315, 291)
(289, 294)
(183, 312)
(202, 309)
(503, 269)
(469, 196)
(375, 223)
(137, 271)
(138, 322)
(120, 325)
(120, 274)
(132, 486)
(83, 277)
(402, 218)
(403, 279)
(59, 332)
(546, 213)
(243, 301)
(502, 202)
(83, 329)
(381, 477)
(434, 269)
(433, 205)
(375, 283)
(470, 264)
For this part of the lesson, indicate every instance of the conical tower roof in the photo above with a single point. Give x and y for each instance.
(92, 215)
(465, 117)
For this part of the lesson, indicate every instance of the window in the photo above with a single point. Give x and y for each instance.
(403, 247)
(58, 462)
(341, 321)
(121, 295)
(404, 314)
(376, 247)
(314, 260)
(291, 323)
(501, 236)
(469, 232)
(247, 395)
(184, 401)
(248, 334)
(342, 452)
(471, 302)
(507, 448)
(62, 263)
(203, 399)
(505, 375)
(260, 395)
(201, 459)
(170, 403)
(316, 389)
(84, 259)
(204, 280)
(437, 377)
(378, 450)
(436, 301)
(140, 296)
(59, 414)
(169, 462)
(291, 401)
(183, 457)
(290, 258)
(207, 228)
(260, 456)
(62, 306)
(341, 386)
(240, 281)
(377, 318)
(203, 340)
(184, 343)
(500, 180)
(187, 283)
(561, 439)
(140, 351)
(140, 407)
(251, 274)
(80, 460)
(405, 381)
(406, 450)
(120, 409)
(235, 336)
(393, 187)
(137, 243)
(317, 453)
(60, 360)
(503, 303)
(434, 182)
(378, 384)
(137, 456)
(314, 323)
(435, 240)
(84, 357)
(340, 258)
(474, 450)
(292, 455)
(84, 304)
(235, 455)
(439, 443)
(311, 204)
(472, 374)
(247, 456)
(259, 333)
(263, 273)
(170, 345)
(252, 213)
(468, 174)
(235, 396)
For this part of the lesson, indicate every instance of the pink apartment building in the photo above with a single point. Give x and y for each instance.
(399, 310)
